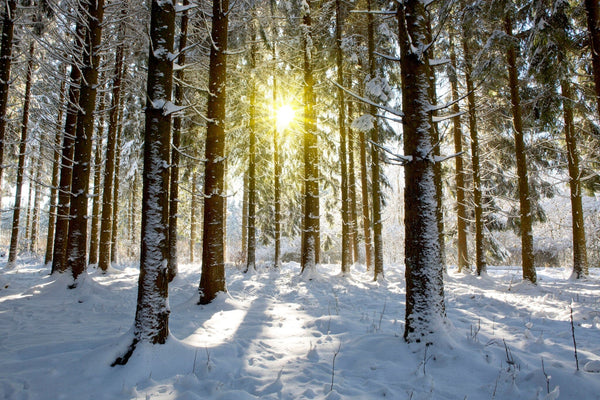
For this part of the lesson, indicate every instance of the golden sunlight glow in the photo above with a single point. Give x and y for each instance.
(284, 115)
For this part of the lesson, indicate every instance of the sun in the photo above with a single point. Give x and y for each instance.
(284, 115)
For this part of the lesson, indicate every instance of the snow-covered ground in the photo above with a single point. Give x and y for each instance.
(276, 335)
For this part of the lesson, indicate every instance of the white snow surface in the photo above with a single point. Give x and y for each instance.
(278, 335)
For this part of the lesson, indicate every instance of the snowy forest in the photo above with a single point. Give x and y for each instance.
(300, 199)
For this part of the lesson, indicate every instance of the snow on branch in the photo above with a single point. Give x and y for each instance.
(446, 105)
(176, 55)
(170, 108)
(401, 159)
(442, 118)
(387, 57)
(438, 159)
(393, 158)
(434, 62)
(364, 123)
(187, 155)
(375, 12)
(367, 101)
(182, 8)
(389, 118)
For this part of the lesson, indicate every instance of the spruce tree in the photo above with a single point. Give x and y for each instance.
(212, 280)
(525, 214)
(14, 237)
(78, 230)
(424, 270)
(152, 311)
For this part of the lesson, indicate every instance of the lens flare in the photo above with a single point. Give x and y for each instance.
(284, 116)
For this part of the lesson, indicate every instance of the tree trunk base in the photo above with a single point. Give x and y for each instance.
(125, 357)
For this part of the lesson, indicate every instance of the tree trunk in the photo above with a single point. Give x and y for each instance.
(106, 220)
(152, 313)
(212, 280)
(251, 251)
(437, 167)
(424, 270)
(461, 209)
(318, 205)
(61, 233)
(77, 244)
(14, 238)
(343, 154)
(29, 208)
(580, 263)
(276, 159)
(193, 218)
(116, 183)
(377, 205)
(310, 229)
(244, 251)
(375, 167)
(529, 272)
(33, 244)
(5, 64)
(225, 165)
(277, 194)
(59, 255)
(177, 123)
(592, 9)
(364, 187)
(94, 235)
(132, 215)
(480, 263)
(55, 167)
(352, 191)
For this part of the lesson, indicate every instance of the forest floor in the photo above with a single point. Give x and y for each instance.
(277, 335)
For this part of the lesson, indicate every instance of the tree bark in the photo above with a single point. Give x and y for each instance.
(310, 224)
(77, 242)
(14, 237)
(33, 244)
(152, 312)
(352, 192)
(461, 209)
(375, 167)
(132, 214)
(437, 167)
(55, 167)
(529, 272)
(61, 233)
(8, 23)
(212, 280)
(29, 208)
(106, 219)
(251, 250)
(580, 262)
(116, 184)
(244, 251)
(225, 166)
(193, 218)
(343, 154)
(480, 263)
(96, 202)
(59, 255)
(592, 9)
(377, 207)
(177, 123)
(276, 158)
(424, 270)
(364, 187)
(277, 196)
